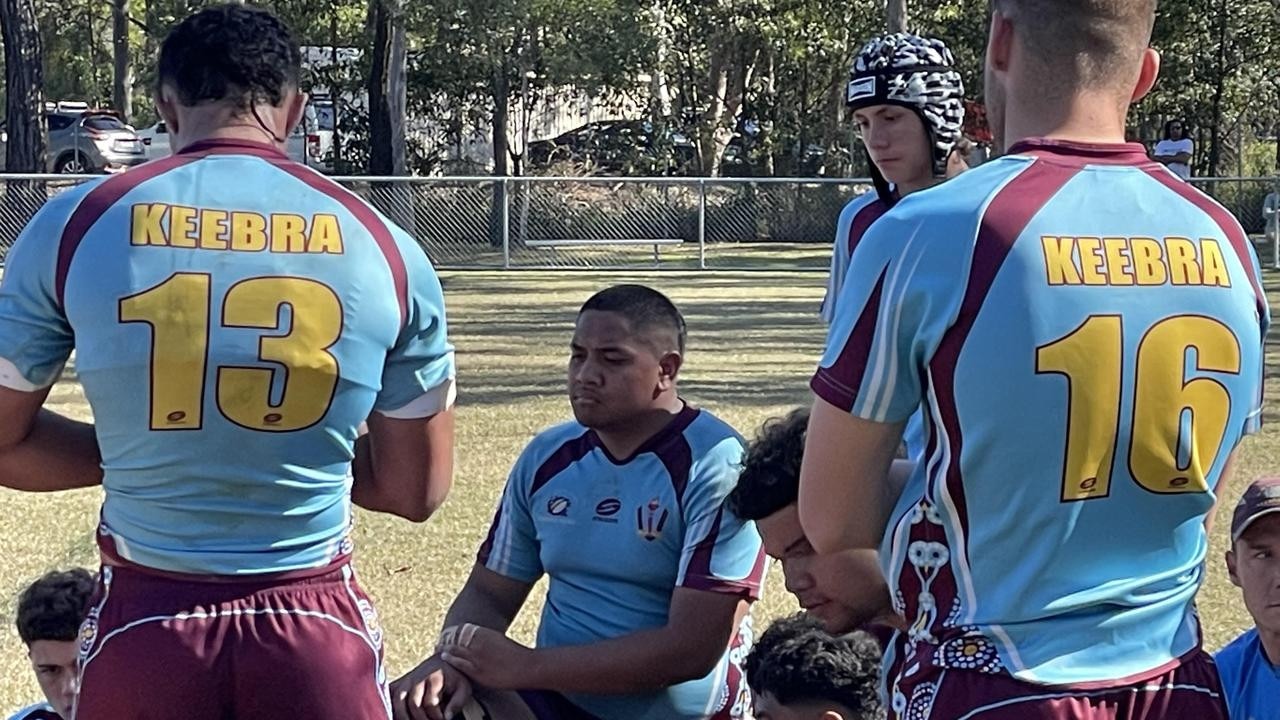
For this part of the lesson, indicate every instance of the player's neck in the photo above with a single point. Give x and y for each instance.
(922, 183)
(1085, 118)
(622, 442)
(1270, 645)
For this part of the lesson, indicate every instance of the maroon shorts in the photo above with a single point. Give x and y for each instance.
(160, 647)
(1190, 691)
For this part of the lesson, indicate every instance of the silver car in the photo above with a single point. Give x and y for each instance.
(92, 142)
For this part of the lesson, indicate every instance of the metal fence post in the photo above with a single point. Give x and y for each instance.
(1275, 226)
(506, 223)
(702, 224)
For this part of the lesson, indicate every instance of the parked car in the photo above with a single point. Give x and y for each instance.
(615, 146)
(88, 142)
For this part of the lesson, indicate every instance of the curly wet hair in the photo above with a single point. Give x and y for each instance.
(52, 607)
(770, 476)
(230, 52)
(797, 661)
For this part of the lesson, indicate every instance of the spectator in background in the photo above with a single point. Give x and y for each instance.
(1175, 150)
(49, 614)
(1250, 666)
(798, 671)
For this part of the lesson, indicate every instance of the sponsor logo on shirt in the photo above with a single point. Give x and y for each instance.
(606, 509)
(558, 506)
(650, 519)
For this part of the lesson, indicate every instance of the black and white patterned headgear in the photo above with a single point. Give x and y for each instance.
(917, 73)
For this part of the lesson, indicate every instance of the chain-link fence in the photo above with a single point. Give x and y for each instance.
(635, 223)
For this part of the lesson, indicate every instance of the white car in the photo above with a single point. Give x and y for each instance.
(300, 147)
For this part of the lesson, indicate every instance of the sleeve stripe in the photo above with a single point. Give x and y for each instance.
(96, 203)
(486, 547)
(840, 383)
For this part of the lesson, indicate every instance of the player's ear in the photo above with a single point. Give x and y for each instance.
(297, 105)
(166, 108)
(1000, 43)
(669, 367)
(832, 715)
(1148, 74)
(1231, 568)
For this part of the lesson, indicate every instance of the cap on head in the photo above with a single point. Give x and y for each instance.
(917, 73)
(1262, 497)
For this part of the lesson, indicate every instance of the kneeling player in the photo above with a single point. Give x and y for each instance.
(48, 618)
(651, 575)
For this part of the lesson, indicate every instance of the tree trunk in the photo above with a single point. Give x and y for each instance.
(387, 89)
(386, 113)
(896, 12)
(122, 77)
(335, 92)
(1219, 90)
(500, 88)
(26, 149)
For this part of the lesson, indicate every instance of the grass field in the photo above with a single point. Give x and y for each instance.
(754, 339)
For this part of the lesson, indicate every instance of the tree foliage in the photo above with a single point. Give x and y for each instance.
(754, 85)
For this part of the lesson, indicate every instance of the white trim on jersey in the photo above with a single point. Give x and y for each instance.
(434, 401)
(887, 360)
(31, 709)
(11, 377)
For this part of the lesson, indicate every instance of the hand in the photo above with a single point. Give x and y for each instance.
(419, 694)
(490, 659)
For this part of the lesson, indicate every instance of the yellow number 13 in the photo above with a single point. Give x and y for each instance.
(178, 312)
(1178, 425)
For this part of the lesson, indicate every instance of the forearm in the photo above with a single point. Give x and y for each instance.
(478, 608)
(641, 662)
(58, 453)
(404, 467)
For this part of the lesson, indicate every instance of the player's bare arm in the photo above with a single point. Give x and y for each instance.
(434, 689)
(699, 628)
(42, 451)
(845, 492)
(404, 467)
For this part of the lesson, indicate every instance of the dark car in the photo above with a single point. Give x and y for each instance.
(614, 146)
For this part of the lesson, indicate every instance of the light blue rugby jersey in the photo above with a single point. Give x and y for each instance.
(1085, 331)
(617, 537)
(235, 318)
(1250, 683)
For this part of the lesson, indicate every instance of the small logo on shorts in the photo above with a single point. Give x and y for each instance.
(606, 509)
(346, 546)
(88, 634)
(371, 624)
(558, 506)
(649, 522)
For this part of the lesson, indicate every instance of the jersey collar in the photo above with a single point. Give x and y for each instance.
(1082, 153)
(232, 146)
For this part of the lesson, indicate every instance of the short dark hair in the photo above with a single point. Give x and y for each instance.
(770, 476)
(230, 52)
(1168, 128)
(1093, 43)
(642, 306)
(53, 607)
(797, 661)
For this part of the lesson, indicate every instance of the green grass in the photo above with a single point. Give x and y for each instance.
(754, 338)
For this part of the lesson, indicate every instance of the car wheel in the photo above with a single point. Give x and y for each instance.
(75, 164)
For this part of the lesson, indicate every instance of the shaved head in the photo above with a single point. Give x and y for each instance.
(1083, 43)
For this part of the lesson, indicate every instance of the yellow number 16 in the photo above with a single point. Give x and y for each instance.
(1170, 413)
(178, 312)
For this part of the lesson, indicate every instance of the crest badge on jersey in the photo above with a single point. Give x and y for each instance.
(88, 634)
(650, 519)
